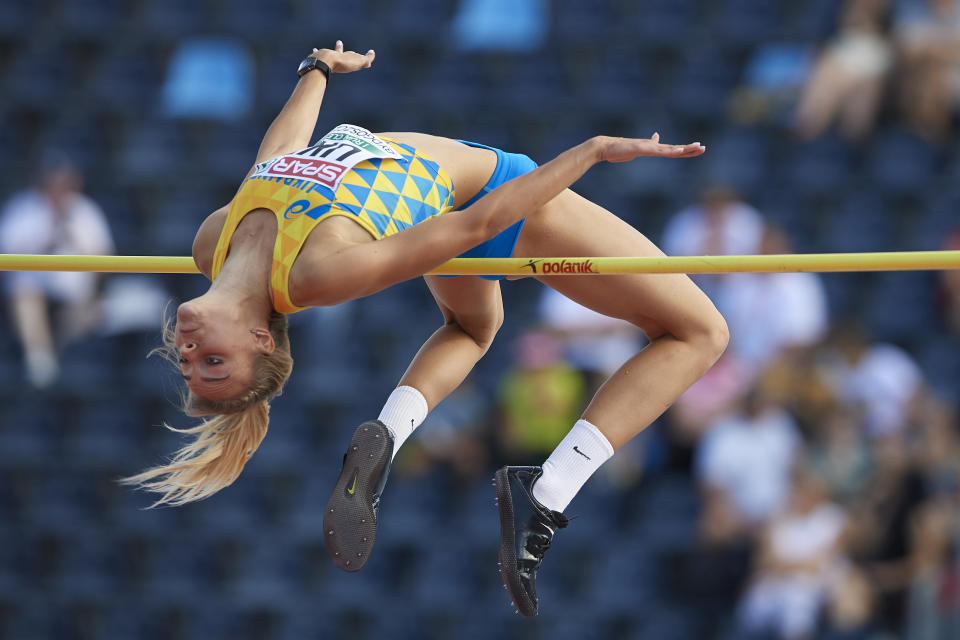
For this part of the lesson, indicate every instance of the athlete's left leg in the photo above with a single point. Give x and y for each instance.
(472, 312)
(687, 336)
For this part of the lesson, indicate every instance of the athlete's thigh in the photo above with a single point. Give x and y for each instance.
(571, 225)
(473, 303)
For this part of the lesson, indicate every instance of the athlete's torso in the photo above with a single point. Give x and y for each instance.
(468, 168)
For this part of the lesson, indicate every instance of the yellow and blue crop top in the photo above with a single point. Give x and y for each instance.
(385, 186)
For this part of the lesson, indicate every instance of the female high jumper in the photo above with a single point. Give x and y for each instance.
(352, 214)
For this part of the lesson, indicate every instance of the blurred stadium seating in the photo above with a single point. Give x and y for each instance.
(80, 559)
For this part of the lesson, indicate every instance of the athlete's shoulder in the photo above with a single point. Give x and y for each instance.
(205, 242)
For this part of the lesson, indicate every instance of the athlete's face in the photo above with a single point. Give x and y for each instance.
(217, 349)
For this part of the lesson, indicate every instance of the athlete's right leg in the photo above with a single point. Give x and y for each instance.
(473, 312)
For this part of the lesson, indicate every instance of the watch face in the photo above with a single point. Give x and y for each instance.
(306, 64)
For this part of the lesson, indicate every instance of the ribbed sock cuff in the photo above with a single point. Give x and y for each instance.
(404, 411)
(571, 464)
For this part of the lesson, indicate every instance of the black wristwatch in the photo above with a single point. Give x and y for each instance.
(311, 63)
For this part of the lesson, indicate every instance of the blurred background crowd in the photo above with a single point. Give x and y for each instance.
(807, 487)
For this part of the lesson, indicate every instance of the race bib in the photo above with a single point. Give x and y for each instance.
(327, 160)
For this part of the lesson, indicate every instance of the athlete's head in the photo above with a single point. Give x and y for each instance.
(233, 368)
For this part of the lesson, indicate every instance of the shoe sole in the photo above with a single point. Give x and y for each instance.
(349, 522)
(507, 555)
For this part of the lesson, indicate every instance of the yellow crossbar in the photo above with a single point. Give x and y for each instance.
(881, 261)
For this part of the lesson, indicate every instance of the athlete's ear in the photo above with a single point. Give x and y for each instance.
(264, 340)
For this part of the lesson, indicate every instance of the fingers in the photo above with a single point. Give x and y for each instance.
(338, 47)
(368, 58)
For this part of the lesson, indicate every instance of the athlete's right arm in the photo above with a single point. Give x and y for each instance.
(293, 127)
(360, 270)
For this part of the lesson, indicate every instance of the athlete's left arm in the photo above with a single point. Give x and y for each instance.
(293, 127)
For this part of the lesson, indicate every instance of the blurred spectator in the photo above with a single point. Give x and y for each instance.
(744, 465)
(927, 33)
(52, 308)
(500, 25)
(839, 454)
(770, 312)
(847, 82)
(540, 397)
(934, 601)
(880, 531)
(719, 224)
(881, 379)
(950, 288)
(800, 563)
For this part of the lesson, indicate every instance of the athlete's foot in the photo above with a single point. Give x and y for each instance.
(526, 529)
(350, 521)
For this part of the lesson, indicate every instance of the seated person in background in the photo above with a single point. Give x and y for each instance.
(799, 565)
(927, 34)
(52, 218)
(847, 81)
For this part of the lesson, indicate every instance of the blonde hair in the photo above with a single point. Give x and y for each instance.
(224, 442)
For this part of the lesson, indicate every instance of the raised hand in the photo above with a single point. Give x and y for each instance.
(341, 61)
(624, 149)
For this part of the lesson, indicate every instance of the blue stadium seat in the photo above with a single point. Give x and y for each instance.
(418, 21)
(89, 365)
(91, 20)
(270, 574)
(27, 427)
(665, 23)
(528, 86)
(89, 565)
(702, 82)
(902, 163)
(172, 20)
(102, 434)
(455, 85)
(179, 572)
(619, 83)
(38, 80)
(940, 361)
(901, 306)
(579, 22)
(739, 24)
(265, 19)
(209, 78)
(863, 222)
(126, 81)
(154, 152)
(938, 218)
(18, 17)
(813, 21)
(60, 501)
(737, 157)
(822, 166)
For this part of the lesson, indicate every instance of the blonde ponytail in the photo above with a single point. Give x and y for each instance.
(224, 442)
(214, 459)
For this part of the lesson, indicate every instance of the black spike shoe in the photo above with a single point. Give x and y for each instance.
(350, 521)
(526, 529)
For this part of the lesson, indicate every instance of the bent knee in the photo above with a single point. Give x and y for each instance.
(481, 328)
(712, 336)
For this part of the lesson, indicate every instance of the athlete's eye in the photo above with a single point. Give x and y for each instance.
(182, 360)
(214, 361)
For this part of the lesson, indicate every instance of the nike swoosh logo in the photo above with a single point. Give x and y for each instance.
(353, 487)
(581, 453)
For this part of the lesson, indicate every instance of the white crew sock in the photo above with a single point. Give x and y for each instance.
(404, 411)
(571, 464)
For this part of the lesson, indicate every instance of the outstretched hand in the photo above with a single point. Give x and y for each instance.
(624, 149)
(341, 61)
